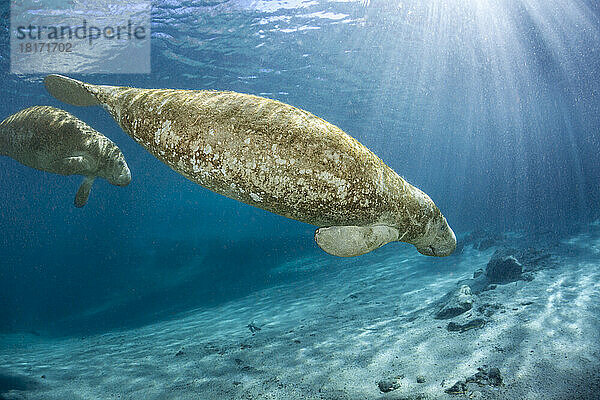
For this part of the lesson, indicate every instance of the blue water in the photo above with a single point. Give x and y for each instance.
(489, 107)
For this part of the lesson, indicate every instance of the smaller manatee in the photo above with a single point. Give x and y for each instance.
(52, 140)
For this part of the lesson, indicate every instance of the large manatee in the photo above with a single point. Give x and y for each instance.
(276, 157)
(52, 140)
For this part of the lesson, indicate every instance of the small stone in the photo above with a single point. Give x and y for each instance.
(494, 377)
(388, 385)
(420, 379)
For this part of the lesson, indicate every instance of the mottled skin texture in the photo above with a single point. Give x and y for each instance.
(270, 155)
(52, 140)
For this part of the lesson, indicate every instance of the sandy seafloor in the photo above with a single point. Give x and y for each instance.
(335, 332)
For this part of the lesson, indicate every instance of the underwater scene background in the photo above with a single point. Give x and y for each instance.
(163, 289)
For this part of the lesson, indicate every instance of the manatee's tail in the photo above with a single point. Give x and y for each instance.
(83, 193)
(71, 91)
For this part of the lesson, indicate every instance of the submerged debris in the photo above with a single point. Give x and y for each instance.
(253, 328)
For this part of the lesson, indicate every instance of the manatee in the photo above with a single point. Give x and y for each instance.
(276, 157)
(52, 140)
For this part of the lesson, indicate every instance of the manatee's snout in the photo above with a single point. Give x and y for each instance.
(114, 168)
(122, 177)
(443, 243)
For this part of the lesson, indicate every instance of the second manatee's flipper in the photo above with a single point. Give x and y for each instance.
(70, 91)
(350, 241)
(83, 193)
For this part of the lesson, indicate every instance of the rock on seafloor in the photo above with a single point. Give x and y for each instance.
(486, 376)
(483, 377)
(503, 269)
(472, 324)
(388, 385)
(456, 303)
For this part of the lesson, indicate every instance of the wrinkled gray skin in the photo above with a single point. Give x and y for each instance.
(52, 140)
(276, 157)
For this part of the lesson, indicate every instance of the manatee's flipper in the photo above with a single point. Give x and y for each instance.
(350, 241)
(70, 91)
(83, 193)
